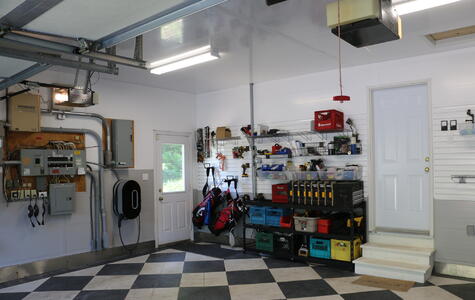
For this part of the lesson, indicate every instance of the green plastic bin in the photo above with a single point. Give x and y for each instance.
(265, 241)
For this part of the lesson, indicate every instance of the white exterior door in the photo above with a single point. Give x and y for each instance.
(172, 188)
(402, 159)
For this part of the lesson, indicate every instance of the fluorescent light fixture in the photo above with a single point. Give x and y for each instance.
(184, 60)
(408, 7)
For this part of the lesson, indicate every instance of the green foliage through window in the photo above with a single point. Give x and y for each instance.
(172, 168)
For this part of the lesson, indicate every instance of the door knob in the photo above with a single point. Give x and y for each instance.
(160, 198)
(427, 169)
(427, 159)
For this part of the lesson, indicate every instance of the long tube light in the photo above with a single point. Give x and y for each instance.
(408, 7)
(183, 60)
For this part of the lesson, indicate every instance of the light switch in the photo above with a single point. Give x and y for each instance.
(471, 230)
(145, 176)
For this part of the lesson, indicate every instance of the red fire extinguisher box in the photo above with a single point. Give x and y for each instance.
(329, 120)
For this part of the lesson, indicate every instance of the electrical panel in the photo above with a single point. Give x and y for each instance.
(42, 162)
(24, 113)
(61, 198)
(33, 162)
(123, 143)
(66, 162)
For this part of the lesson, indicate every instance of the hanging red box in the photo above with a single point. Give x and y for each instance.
(329, 120)
(280, 193)
(323, 226)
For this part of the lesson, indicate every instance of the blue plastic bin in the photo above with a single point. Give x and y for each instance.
(257, 215)
(273, 215)
(320, 248)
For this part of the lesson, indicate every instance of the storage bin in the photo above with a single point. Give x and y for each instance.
(265, 241)
(323, 225)
(328, 174)
(286, 222)
(257, 215)
(273, 215)
(305, 175)
(352, 173)
(341, 249)
(320, 248)
(305, 224)
(282, 244)
(273, 175)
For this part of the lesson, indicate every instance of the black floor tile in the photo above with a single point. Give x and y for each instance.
(102, 295)
(375, 295)
(204, 293)
(327, 272)
(306, 288)
(209, 250)
(157, 281)
(121, 269)
(273, 263)
(203, 266)
(249, 277)
(166, 257)
(464, 291)
(13, 296)
(72, 283)
(427, 283)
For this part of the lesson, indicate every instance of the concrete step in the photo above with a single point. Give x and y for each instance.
(397, 253)
(399, 239)
(392, 269)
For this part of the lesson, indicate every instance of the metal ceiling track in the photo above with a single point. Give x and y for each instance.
(27, 12)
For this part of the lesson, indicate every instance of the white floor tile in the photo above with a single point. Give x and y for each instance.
(329, 297)
(345, 285)
(446, 281)
(244, 264)
(169, 251)
(294, 274)
(426, 293)
(198, 257)
(263, 291)
(84, 272)
(59, 295)
(147, 294)
(216, 279)
(192, 280)
(24, 287)
(116, 282)
(163, 268)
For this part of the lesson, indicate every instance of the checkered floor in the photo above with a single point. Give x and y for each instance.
(185, 272)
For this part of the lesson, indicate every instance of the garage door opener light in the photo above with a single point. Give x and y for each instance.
(184, 60)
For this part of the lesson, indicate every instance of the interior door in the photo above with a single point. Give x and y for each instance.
(173, 188)
(402, 159)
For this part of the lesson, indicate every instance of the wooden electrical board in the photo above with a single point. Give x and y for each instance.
(21, 140)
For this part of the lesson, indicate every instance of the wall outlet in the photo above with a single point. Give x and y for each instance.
(27, 194)
(21, 194)
(43, 194)
(471, 230)
(14, 195)
(33, 194)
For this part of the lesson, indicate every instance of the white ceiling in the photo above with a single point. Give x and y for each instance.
(288, 39)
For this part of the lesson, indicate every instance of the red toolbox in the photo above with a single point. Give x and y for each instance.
(280, 193)
(323, 225)
(329, 120)
(286, 222)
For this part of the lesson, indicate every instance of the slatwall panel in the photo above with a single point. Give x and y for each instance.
(233, 166)
(453, 155)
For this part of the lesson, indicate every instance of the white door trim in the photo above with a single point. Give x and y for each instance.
(371, 150)
(189, 162)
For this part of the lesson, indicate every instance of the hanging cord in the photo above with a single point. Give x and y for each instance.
(339, 49)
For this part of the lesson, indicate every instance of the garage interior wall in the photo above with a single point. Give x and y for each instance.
(288, 102)
(151, 109)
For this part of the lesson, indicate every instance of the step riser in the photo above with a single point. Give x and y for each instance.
(392, 239)
(386, 272)
(397, 256)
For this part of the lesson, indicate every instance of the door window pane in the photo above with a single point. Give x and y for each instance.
(173, 167)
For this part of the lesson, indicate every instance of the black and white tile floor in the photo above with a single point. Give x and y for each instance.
(208, 272)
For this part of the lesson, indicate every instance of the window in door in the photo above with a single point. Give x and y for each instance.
(173, 168)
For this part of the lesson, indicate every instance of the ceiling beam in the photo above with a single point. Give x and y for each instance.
(23, 75)
(172, 14)
(27, 12)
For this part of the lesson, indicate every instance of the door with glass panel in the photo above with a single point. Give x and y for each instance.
(172, 188)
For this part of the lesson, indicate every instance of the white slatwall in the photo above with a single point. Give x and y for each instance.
(233, 166)
(453, 155)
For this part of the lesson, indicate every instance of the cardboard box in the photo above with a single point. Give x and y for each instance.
(24, 113)
(223, 133)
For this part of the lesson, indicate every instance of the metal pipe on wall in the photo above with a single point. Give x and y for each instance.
(101, 222)
(105, 124)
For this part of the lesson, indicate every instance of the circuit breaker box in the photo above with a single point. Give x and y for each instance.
(61, 198)
(24, 113)
(33, 162)
(123, 143)
(66, 162)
